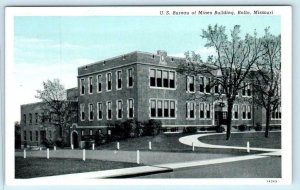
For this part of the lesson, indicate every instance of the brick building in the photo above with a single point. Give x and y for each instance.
(145, 86)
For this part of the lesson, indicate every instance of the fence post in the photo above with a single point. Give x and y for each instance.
(72, 146)
(248, 146)
(83, 155)
(24, 153)
(150, 146)
(54, 148)
(138, 157)
(93, 146)
(40, 148)
(193, 146)
(118, 146)
(48, 154)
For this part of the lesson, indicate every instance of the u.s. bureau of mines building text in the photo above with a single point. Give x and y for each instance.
(217, 12)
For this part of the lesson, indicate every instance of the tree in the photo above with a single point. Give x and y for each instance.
(235, 58)
(268, 76)
(17, 135)
(56, 109)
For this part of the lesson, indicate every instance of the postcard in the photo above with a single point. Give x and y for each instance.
(148, 95)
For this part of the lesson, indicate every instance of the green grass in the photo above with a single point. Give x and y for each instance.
(257, 140)
(164, 143)
(39, 167)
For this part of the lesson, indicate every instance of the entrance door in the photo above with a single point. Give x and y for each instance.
(220, 117)
(75, 139)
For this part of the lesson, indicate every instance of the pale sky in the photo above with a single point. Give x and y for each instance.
(54, 47)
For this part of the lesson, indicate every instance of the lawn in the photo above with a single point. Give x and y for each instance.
(39, 167)
(164, 143)
(256, 139)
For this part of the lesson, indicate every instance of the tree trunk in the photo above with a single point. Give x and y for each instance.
(229, 116)
(268, 111)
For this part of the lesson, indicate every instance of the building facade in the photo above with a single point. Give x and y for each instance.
(144, 86)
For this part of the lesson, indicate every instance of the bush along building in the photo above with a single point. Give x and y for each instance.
(141, 90)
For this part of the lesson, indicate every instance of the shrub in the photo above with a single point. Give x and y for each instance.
(152, 127)
(48, 143)
(220, 129)
(258, 127)
(202, 129)
(190, 130)
(242, 127)
(60, 143)
(211, 128)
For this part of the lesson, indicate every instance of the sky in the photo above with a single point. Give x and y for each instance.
(54, 47)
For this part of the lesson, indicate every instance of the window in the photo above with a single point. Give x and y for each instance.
(82, 115)
(172, 79)
(82, 132)
(91, 112)
(201, 112)
(24, 118)
(217, 89)
(119, 79)
(119, 109)
(130, 108)
(208, 111)
(159, 78)
(159, 108)
(276, 114)
(36, 118)
(244, 89)
(30, 135)
(82, 90)
(90, 85)
(165, 79)
(91, 132)
(100, 116)
(190, 84)
(201, 85)
(166, 108)
(43, 118)
(190, 110)
(24, 135)
(207, 87)
(30, 118)
(249, 90)
(109, 114)
(248, 112)
(108, 79)
(235, 111)
(172, 109)
(244, 111)
(153, 108)
(152, 77)
(36, 135)
(99, 79)
(130, 78)
(279, 115)
(162, 108)
(162, 78)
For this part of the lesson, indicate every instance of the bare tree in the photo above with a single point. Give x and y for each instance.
(56, 109)
(268, 76)
(235, 58)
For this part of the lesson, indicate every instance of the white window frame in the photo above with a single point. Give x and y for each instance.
(109, 73)
(81, 84)
(210, 89)
(90, 83)
(99, 76)
(279, 114)
(155, 78)
(117, 109)
(244, 106)
(132, 71)
(249, 110)
(82, 110)
(128, 103)
(99, 103)
(202, 118)
(188, 107)
(163, 107)
(91, 106)
(107, 107)
(188, 84)
(210, 109)
(121, 75)
(202, 77)
(233, 111)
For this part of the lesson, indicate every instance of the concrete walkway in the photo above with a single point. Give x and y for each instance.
(194, 140)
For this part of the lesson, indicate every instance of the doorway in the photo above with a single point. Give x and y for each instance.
(75, 139)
